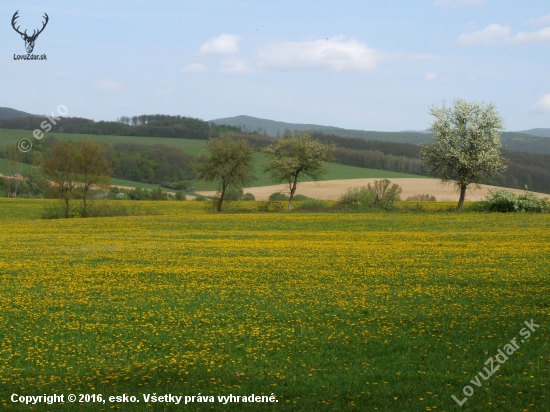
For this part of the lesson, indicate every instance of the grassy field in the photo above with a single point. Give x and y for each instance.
(328, 312)
(194, 148)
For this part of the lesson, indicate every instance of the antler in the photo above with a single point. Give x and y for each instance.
(13, 19)
(43, 26)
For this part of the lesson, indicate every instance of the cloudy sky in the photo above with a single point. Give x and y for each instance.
(371, 65)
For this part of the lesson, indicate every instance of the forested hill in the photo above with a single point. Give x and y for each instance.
(145, 125)
(7, 113)
(274, 128)
(192, 128)
(538, 132)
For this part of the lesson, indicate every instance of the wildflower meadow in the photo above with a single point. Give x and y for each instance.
(322, 311)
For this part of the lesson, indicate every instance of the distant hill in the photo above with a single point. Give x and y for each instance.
(538, 132)
(7, 113)
(517, 141)
(274, 128)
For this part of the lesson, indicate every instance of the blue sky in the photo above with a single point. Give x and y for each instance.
(371, 65)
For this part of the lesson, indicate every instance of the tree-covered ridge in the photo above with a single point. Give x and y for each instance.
(144, 125)
(155, 164)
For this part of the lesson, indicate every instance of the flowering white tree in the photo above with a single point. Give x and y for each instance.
(467, 144)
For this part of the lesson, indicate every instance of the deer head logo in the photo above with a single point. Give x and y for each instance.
(29, 40)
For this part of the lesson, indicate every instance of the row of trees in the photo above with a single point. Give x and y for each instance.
(290, 159)
(466, 150)
(144, 125)
(74, 169)
(155, 164)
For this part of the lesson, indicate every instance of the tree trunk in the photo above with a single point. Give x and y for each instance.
(84, 207)
(67, 202)
(462, 196)
(220, 200)
(292, 191)
(85, 203)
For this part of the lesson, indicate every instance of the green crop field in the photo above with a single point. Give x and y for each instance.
(327, 312)
(196, 147)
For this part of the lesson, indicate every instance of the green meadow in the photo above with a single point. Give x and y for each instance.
(327, 312)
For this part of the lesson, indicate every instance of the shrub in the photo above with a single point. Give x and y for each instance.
(505, 201)
(501, 201)
(180, 195)
(357, 198)
(529, 202)
(278, 197)
(386, 194)
(314, 205)
(301, 197)
(181, 185)
(249, 197)
(57, 211)
(158, 194)
(382, 194)
(233, 193)
(421, 198)
(270, 206)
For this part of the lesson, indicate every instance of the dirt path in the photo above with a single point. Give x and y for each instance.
(333, 189)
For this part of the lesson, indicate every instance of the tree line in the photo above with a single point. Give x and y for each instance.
(145, 125)
(155, 164)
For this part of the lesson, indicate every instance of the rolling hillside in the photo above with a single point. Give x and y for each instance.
(535, 141)
(7, 113)
(538, 132)
(194, 148)
(272, 128)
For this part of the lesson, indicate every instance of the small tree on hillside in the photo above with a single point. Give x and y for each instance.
(467, 144)
(229, 163)
(93, 169)
(15, 168)
(296, 156)
(61, 169)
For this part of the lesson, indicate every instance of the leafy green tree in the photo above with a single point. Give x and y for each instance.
(229, 163)
(297, 156)
(93, 170)
(61, 169)
(35, 183)
(467, 144)
(15, 169)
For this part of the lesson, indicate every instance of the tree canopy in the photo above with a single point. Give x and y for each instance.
(229, 162)
(296, 156)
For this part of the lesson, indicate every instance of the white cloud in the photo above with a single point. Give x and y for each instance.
(431, 77)
(235, 66)
(542, 105)
(195, 68)
(541, 36)
(539, 21)
(493, 33)
(331, 54)
(224, 44)
(107, 84)
(457, 3)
